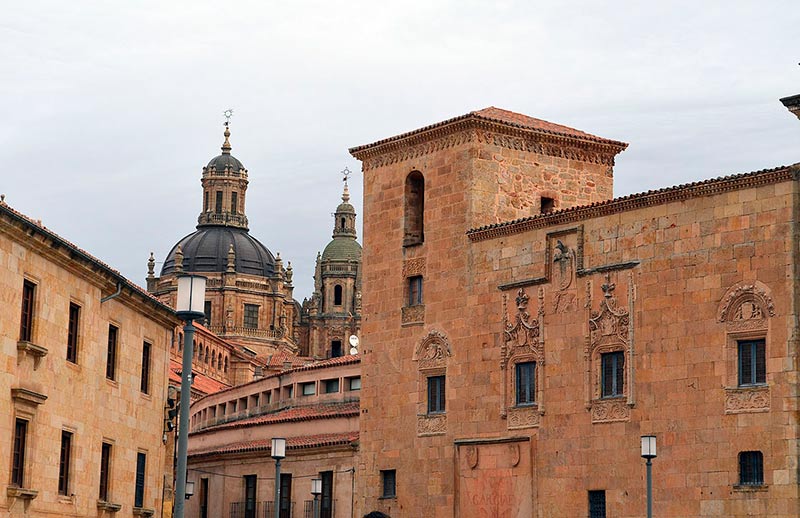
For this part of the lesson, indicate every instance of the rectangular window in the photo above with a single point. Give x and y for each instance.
(597, 504)
(308, 389)
(751, 468)
(752, 362)
(26, 322)
(72, 332)
(145, 383)
(141, 463)
(526, 383)
(354, 383)
(331, 386)
(415, 290)
(105, 465)
(64, 461)
(18, 462)
(613, 374)
(207, 311)
(286, 495)
(234, 203)
(111, 356)
(389, 483)
(206, 201)
(203, 498)
(326, 499)
(251, 316)
(250, 496)
(218, 204)
(436, 394)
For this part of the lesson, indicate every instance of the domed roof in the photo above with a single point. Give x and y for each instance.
(206, 250)
(342, 249)
(225, 160)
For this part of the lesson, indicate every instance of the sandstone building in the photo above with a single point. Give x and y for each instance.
(85, 357)
(522, 329)
(314, 406)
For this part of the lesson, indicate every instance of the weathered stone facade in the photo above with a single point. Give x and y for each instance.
(56, 381)
(629, 314)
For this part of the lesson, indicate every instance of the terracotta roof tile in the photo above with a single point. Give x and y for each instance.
(301, 413)
(292, 443)
(501, 116)
(200, 384)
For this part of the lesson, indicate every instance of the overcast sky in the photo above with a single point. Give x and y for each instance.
(111, 109)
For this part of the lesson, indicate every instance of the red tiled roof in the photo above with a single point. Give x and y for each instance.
(301, 413)
(201, 383)
(505, 117)
(646, 199)
(292, 443)
(37, 225)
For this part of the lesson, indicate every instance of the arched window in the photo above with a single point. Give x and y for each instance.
(226, 364)
(342, 226)
(213, 359)
(337, 295)
(180, 342)
(205, 358)
(414, 209)
(194, 348)
(219, 362)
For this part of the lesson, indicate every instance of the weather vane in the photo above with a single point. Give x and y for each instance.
(228, 114)
(346, 173)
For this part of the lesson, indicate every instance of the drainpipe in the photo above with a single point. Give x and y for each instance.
(113, 295)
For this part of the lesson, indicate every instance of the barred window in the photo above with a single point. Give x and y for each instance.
(436, 395)
(752, 362)
(251, 316)
(613, 374)
(751, 468)
(526, 383)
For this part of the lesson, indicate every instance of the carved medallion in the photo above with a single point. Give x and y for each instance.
(433, 351)
(471, 456)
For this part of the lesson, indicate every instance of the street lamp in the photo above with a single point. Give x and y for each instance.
(316, 490)
(278, 452)
(189, 306)
(649, 453)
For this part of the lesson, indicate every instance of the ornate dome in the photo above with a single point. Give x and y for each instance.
(342, 249)
(220, 162)
(206, 250)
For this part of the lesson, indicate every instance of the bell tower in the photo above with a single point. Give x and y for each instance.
(224, 186)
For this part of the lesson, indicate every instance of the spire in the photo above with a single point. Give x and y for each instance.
(346, 193)
(226, 146)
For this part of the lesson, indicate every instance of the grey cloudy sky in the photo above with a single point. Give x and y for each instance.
(110, 109)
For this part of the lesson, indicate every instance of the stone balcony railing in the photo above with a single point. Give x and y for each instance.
(212, 218)
(248, 331)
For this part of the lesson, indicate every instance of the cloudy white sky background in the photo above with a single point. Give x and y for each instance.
(110, 109)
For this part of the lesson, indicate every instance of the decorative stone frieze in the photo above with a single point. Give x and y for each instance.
(435, 424)
(414, 267)
(610, 410)
(413, 314)
(747, 399)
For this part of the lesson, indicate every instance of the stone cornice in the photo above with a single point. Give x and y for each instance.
(793, 104)
(472, 128)
(638, 201)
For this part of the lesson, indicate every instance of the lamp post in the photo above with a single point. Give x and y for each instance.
(190, 306)
(316, 490)
(278, 452)
(649, 453)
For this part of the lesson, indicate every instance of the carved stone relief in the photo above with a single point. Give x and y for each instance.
(431, 425)
(746, 302)
(749, 399)
(414, 267)
(413, 314)
(433, 351)
(522, 342)
(610, 329)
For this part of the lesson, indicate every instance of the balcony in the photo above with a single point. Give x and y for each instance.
(260, 510)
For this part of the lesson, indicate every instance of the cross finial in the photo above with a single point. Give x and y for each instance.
(228, 114)
(346, 174)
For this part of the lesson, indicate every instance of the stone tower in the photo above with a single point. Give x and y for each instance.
(249, 292)
(334, 312)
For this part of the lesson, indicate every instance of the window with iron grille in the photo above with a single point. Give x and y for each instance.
(111, 355)
(251, 316)
(207, 312)
(141, 463)
(436, 396)
(388, 483)
(72, 332)
(751, 468)
(26, 322)
(752, 362)
(415, 290)
(64, 461)
(144, 386)
(526, 383)
(18, 462)
(613, 374)
(597, 504)
(105, 465)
